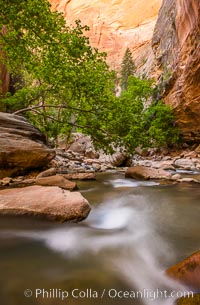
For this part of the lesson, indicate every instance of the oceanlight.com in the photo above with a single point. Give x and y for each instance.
(56, 293)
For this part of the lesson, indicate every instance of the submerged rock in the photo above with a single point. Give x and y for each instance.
(22, 146)
(143, 172)
(47, 202)
(187, 271)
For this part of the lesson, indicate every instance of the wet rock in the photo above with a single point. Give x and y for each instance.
(187, 271)
(80, 176)
(22, 146)
(47, 202)
(146, 173)
(188, 180)
(49, 172)
(57, 180)
(193, 300)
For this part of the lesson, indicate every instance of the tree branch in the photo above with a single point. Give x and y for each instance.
(31, 108)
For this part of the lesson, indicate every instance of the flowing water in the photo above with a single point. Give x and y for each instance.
(136, 229)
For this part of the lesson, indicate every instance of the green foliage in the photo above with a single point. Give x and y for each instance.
(160, 121)
(127, 69)
(67, 84)
(128, 115)
(136, 123)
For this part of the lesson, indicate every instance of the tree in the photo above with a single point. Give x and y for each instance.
(127, 69)
(160, 125)
(128, 119)
(135, 123)
(66, 82)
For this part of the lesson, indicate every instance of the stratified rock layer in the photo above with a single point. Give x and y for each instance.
(21, 146)
(47, 202)
(176, 45)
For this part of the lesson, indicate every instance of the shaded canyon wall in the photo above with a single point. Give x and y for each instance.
(176, 45)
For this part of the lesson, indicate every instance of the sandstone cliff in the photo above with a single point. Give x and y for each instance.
(114, 25)
(176, 45)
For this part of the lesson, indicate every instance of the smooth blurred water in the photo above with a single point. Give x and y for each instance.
(135, 231)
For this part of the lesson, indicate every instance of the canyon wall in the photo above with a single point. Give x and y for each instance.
(114, 25)
(172, 57)
(176, 45)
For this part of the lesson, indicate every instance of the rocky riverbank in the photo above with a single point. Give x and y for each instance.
(83, 162)
(24, 152)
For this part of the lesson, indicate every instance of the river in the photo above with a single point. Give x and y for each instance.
(136, 229)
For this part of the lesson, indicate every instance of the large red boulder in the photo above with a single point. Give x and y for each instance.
(187, 271)
(48, 202)
(22, 146)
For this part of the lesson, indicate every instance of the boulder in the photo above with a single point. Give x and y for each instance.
(80, 176)
(47, 202)
(187, 271)
(197, 150)
(188, 164)
(116, 159)
(176, 177)
(56, 180)
(188, 180)
(81, 143)
(49, 172)
(163, 165)
(22, 146)
(142, 172)
(6, 181)
(192, 300)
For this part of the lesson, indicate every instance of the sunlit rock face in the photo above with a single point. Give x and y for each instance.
(114, 25)
(176, 45)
